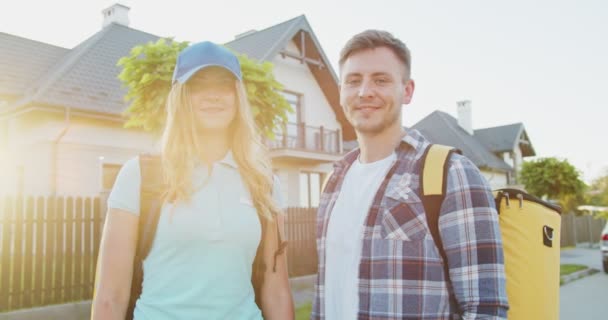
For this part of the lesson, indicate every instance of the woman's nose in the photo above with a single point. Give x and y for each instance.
(214, 97)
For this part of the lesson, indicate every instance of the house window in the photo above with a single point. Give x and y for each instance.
(295, 100)
(109, 172)
(310, 189)
(293, 128)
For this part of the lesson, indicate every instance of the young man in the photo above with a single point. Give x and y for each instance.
(377, 258)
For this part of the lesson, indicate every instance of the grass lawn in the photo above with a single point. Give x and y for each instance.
(566, 269)
(303, 312)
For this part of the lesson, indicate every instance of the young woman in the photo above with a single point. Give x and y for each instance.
(219, 190)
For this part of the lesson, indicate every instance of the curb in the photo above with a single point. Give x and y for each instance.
(303, 289)
(67, 311)
(577, 275)
(303, 282)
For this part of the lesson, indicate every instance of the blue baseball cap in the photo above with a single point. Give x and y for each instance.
(202, 55)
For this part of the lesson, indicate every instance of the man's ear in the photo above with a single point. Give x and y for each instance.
(408, 89)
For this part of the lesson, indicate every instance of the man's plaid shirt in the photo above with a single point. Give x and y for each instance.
(401, 273)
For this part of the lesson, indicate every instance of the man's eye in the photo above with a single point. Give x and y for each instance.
(352, 82)
(382, 81)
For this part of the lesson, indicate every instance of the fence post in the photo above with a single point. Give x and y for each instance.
(50, 250)
(17, 287)
(88, 249)
(68, 276)
(6, 254)
(574, 220)
(58, 293)
(78, 287)
(589, 217)
(28, 219)
(39, 257)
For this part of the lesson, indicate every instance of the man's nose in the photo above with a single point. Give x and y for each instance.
(366, 90)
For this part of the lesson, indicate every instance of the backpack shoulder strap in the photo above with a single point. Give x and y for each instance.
(149, 211)
(150, 201)
(433, 184)
(259, 263)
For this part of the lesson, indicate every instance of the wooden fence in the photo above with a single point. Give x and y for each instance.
(581, 229)
(48, 250)
(302, 247)
(49, 246)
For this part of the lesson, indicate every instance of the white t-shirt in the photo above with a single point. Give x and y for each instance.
(344, 236)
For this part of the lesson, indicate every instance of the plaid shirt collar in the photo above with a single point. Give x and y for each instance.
(411, 140)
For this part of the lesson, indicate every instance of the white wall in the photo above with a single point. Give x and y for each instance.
(496, 180)
(289, 176)
(317, 112)
(519, 160)
(506, 157)
(78, 166)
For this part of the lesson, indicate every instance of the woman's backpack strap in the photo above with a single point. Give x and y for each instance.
(150, 203)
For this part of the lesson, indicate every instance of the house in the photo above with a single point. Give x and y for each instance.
(61, 123)
(312, 140)
(497, 151)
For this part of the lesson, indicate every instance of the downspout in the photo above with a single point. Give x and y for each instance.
(515, 167)
(55, 153)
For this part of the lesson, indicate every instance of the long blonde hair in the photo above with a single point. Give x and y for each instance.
(181, 147)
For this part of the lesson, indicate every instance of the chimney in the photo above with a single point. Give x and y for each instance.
(117, 13)
(465, 115)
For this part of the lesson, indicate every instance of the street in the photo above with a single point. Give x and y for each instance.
(584, 299)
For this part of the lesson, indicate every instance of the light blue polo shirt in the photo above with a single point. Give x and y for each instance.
(199, 265)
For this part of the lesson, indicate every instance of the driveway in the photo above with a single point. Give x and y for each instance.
(584, 299)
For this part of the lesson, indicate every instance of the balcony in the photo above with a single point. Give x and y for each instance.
(303, 143)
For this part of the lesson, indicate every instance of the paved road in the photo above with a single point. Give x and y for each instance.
(587, 298)
(583, 255)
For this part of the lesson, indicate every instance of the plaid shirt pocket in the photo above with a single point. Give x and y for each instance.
(404, 218)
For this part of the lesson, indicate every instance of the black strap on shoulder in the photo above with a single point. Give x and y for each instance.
(150, 204)
(433, 184)
(152, 187)
(259, 265)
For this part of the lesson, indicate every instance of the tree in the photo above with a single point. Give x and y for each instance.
(551, 178)
(147, 72)
(598, 191)
(597, 195)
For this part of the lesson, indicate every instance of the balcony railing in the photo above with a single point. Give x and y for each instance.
(307, 138)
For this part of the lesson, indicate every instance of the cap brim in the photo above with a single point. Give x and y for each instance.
(186, 76)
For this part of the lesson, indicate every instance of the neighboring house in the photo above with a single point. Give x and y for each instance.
(498, 151)
(61, 123)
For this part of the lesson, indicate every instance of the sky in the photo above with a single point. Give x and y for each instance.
(542, 63)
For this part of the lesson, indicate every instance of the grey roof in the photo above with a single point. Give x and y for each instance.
(86, 77)
(505, 138)
(265, 44)
(262, 45)
(24, 60)
(440, 127)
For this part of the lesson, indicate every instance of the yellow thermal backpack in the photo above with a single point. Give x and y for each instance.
(530, 229)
